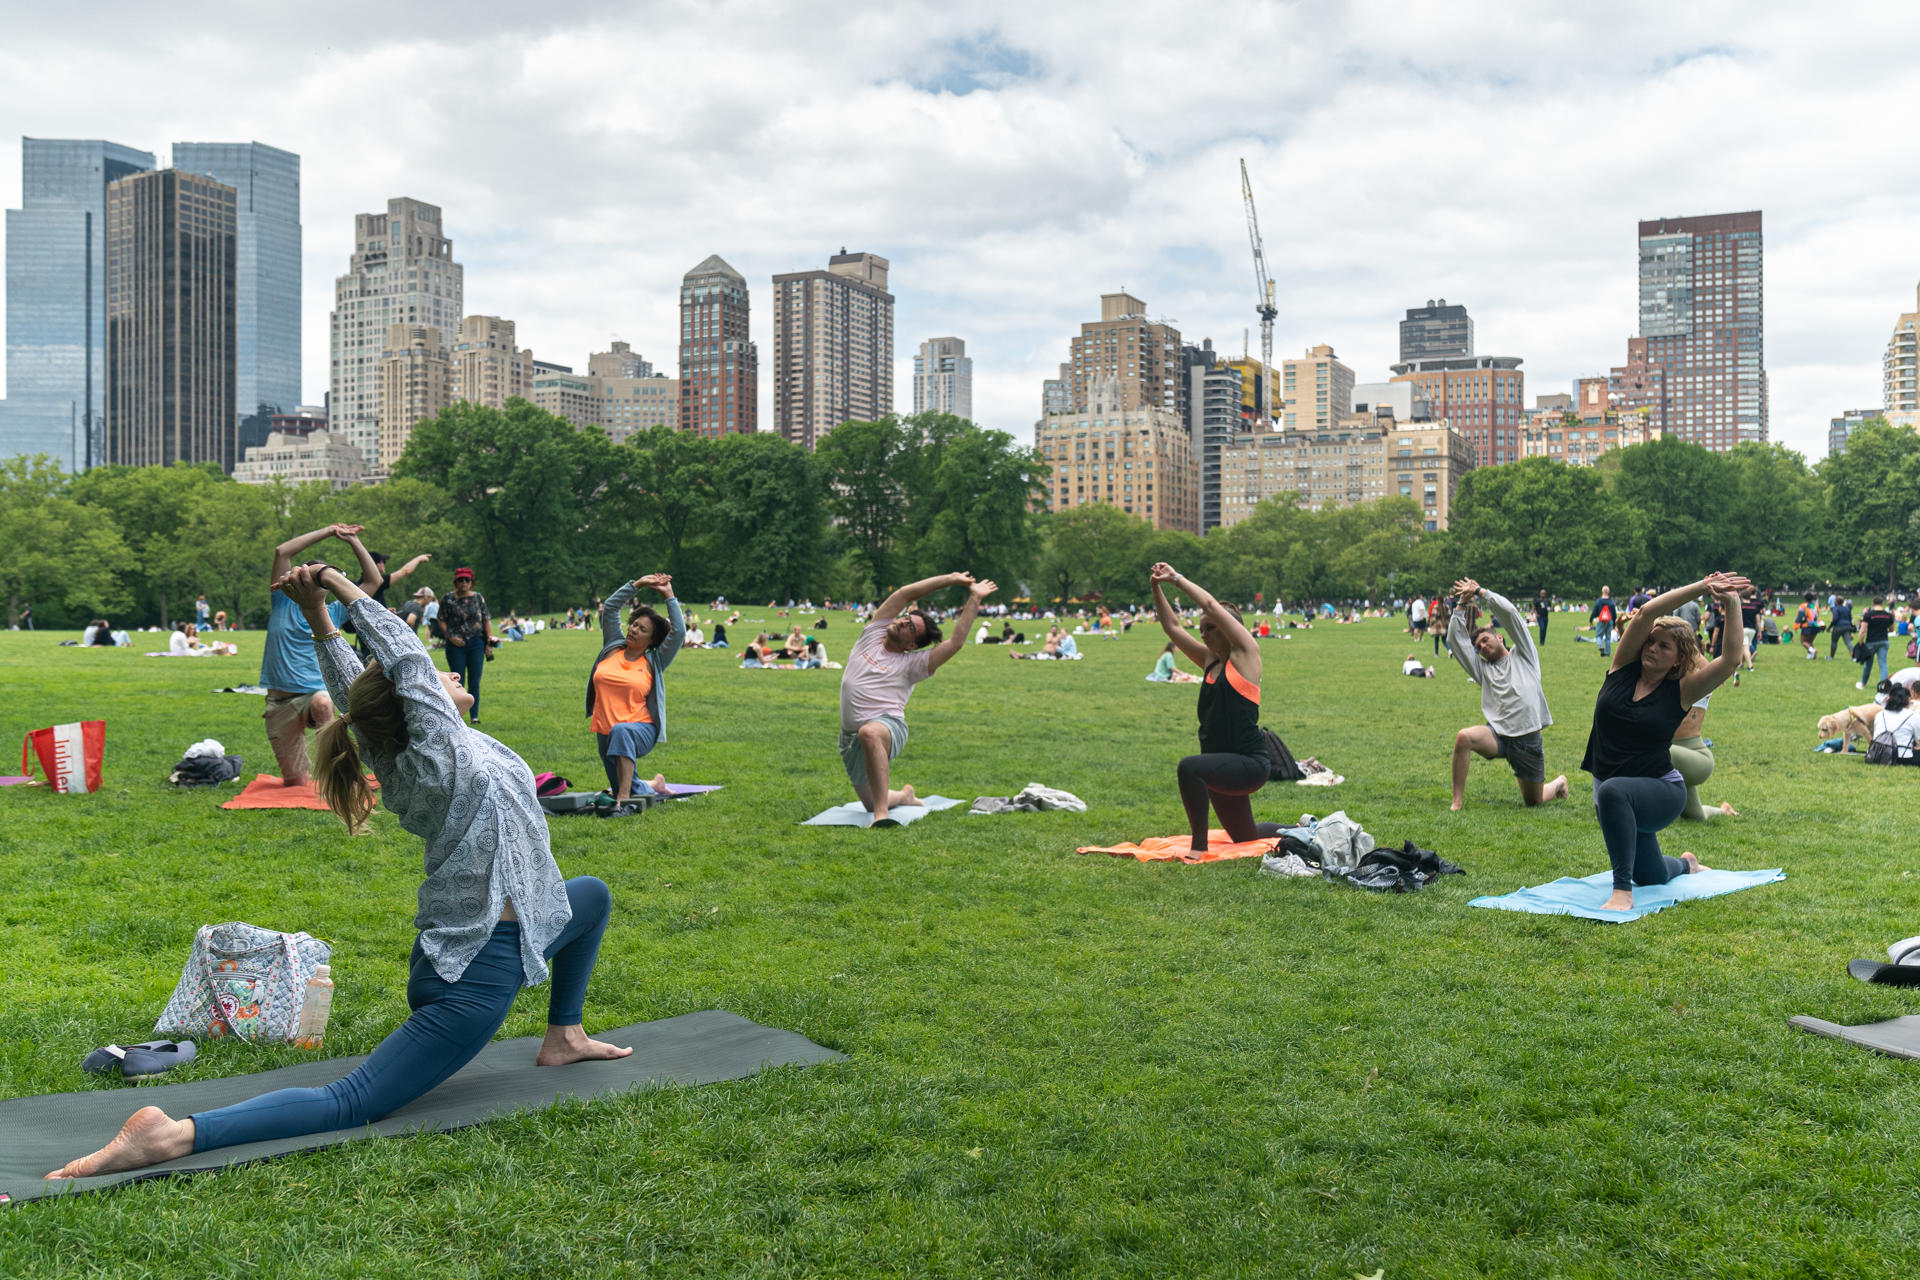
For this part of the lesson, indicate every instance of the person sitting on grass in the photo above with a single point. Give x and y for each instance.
(492, 912)
(1233, 762)
(1693, 759)
(626, 687)
(1165, 672)
(1657, 673)
(1511, 697)
(896, 651)
(1899, 722)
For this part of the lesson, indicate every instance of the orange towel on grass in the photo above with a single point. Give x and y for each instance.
(269, 792)
(1220, 847)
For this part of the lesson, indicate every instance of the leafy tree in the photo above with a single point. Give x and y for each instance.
(1097, 546)
(770, 518)
(403, 517)
(866, 491)
(233, 529)
(1773, 526)
(1541, 523)
(52, 550)
(673, 491)
(980, 495)
(1686, 493)
(1871, 500)
(148, 506)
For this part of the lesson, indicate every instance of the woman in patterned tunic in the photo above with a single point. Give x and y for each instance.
(492, 911)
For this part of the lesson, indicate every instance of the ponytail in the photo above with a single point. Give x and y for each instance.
(373, 708)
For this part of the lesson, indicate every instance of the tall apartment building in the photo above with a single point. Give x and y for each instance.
(57, 299)
(619, 394)
(1840, 428)
(402, 272)
(1702, 312)
(943, 378)
(488, 368)
(1316, 390)
(1215, 418)
(832, 346)
(719, 365)
(1364, 457)
(1638, 389)
(266, 183)
(1137, 458)
(170, 321)
(1056, 394)
(1123, 349)
(1435, 332)
(1900, 373)
(1248, 368)
(619, 361)
(1483, 397)
(416, 383)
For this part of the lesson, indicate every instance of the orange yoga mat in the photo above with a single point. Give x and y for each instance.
(268, 792)
(1220, 847)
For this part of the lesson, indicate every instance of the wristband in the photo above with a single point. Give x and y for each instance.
(318, 636)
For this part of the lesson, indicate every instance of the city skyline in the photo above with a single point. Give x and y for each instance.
(1006, 173)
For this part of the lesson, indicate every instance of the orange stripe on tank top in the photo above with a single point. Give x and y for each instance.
(1243, 686)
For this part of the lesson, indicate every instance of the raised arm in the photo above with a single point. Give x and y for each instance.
(676, 625)
(898, 603)
(370, 574)
(1245, 648)
(284, 553)
(406, 570)
(976, 592)
(1170, 623)
(1460, 628)
(1640, 626)
(424, 700)
(1513, 624)
(1733, 647)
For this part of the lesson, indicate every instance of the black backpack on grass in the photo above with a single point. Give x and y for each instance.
(1281, 766)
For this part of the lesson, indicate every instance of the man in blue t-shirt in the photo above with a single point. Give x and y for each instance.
(296, 695)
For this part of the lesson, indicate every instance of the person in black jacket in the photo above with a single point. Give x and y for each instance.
(1657, 673)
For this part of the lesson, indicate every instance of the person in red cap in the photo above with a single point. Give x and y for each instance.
(469, 629)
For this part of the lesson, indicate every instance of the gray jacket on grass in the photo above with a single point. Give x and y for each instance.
(613, 637)
(1510, 694)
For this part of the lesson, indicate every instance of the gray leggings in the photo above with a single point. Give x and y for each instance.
(1631, 811)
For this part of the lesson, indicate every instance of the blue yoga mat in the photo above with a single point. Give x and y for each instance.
(1570, 897)
(854, 814)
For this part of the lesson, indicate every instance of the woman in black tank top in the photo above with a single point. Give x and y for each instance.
(1657, 673)
(1232, 763)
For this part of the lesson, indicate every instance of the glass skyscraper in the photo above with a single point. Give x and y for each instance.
(266, 274)
(56, 298)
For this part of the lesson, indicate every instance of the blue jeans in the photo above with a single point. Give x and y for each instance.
(451, 1022)
(626, 742)
(469, 661)
(1875, 649)
(1631, 811)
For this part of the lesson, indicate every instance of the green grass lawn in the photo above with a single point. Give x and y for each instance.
(1057, 1064)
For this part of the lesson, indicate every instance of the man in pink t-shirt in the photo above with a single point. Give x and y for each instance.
(898, 649)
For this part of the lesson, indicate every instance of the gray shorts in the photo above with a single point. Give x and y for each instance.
(854, 757)
(1526, 755)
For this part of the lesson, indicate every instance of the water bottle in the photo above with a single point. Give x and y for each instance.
(312, 1028)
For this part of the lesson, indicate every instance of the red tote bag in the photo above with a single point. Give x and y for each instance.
(70, 755)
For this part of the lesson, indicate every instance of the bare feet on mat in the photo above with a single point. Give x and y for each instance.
(659, 784)
(1619, 900)
(148, 1137)
(1694, 866)
(570, 1044)
(1557, 789)
(904, 796)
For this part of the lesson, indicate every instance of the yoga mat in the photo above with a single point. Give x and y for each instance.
(1570, 897)
(854, 814)
(1896, 1037)
(1220, 847)
(44, 1132)
(268, 792)
(15, 781)
(678, 789)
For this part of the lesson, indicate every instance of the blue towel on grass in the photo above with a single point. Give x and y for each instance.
(1570, 897)
(854, 814)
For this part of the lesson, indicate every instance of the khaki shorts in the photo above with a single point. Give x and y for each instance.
(288, 717)
(854, 756)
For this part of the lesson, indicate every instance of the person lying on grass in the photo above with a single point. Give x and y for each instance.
(1657, 673)
(897, 650)
(492, 911)
(1233, 762)
(626, 687)
(1511, 697)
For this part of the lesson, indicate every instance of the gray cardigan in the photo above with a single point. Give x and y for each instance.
(613, 637)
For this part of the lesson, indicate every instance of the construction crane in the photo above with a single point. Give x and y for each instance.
(1263, 284)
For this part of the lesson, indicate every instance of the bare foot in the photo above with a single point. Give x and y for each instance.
(1557, 789)
(906, 797)
(570, 1044)
(1693, 864)
(1618, 900)
(659, 784)
(1729, 810)
(1458, 805)
(149, 1136)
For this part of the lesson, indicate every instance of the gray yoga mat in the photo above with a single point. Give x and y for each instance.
(44, 1132)
(1896, 1037)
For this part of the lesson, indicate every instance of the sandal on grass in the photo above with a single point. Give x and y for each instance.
(137, 1061)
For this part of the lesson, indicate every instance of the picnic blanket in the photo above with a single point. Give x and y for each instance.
(854, 814)
(269, 792)
(1568, 896)
(1220, 847)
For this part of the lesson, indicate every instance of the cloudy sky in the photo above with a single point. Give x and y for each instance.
(1016, 160)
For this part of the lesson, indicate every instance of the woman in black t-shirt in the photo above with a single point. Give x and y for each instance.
(1657, 673)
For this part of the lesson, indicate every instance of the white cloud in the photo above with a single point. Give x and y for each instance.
(1016, 160)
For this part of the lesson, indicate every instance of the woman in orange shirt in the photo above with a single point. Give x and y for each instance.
(626, 695)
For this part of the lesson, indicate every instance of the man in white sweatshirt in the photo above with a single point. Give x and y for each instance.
(1510, 696)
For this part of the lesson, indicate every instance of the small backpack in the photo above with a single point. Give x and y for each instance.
(1281, 766)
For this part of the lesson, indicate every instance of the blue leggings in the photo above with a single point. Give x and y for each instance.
(451, 1022)
(469, 662)
(1631, 811)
